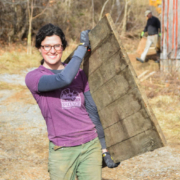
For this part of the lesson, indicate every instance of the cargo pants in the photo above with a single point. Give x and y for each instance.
(83, 161)
(150, 39)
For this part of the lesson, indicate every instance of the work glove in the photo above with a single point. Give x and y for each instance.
(84, 38)
(142, 34)
(108, 160)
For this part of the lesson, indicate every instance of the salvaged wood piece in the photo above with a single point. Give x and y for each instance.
(128, 121)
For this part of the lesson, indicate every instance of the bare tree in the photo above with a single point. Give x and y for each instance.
(67, 2)
(102, 10)
(22, 18)
(127, 2)
(119, 10)
(12, 18)
(92, 13)
(30, 6)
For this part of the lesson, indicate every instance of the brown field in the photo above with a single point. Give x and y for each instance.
(23, 135)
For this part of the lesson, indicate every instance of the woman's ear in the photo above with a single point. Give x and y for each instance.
(40, 50)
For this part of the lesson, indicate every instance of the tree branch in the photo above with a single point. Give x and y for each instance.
(103, 10)
(32, 8)
(41, 12)
(28, 8)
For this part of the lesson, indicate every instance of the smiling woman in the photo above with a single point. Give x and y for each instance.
(63, 95)
(51, 42)
(51, 50)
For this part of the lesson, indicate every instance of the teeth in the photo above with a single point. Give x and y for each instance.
(52, 56)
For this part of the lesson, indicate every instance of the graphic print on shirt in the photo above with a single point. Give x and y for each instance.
(70, 99)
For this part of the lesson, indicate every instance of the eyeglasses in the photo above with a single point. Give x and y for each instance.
(57, 47)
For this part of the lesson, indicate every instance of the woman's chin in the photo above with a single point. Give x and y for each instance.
(50, 64)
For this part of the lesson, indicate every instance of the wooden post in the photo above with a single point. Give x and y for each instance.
(170, 21)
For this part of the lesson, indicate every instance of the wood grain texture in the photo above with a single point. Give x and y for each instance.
(128, 121)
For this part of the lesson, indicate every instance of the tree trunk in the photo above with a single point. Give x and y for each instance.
(92, 14)
(125, 18)
(29, 48)
(119, 10)
(30, 12)
(102, 10)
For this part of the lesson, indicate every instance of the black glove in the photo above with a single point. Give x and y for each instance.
(84, 38)
(108, 160)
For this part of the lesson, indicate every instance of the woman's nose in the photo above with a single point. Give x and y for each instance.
(53, 49)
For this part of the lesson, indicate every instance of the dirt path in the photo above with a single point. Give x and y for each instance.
(24, 143)
(23, 140)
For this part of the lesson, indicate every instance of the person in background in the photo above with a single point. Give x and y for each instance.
(153, 28)
(76, 136)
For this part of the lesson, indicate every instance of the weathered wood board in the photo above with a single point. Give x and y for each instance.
(128, 121)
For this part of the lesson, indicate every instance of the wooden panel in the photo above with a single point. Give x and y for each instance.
(100, 33)
(104, 51)
(126, 128)
(112, 89)
(107, 70)
(123, 107)
(143, 142)
(128, 121)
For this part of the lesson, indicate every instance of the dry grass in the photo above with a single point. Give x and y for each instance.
(166, 109)
(17, 59)
(25, 156)
(163, 92)
(14, 58)
(9, 86)
(22, 95)
(71, 47)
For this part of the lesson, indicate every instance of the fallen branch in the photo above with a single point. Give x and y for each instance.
(142, 74)
(150, 74)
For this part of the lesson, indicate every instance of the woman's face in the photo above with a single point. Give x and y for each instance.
(51, 50)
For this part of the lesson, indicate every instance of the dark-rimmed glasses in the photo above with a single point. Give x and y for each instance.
(57, 47)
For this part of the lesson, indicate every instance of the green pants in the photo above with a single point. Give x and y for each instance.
(83, 161)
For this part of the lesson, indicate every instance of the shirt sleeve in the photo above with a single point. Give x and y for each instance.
(145, 28)
(85, 82)
(94, 116)
(66, 76)
(32, 80)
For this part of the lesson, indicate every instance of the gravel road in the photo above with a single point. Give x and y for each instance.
(24, 145)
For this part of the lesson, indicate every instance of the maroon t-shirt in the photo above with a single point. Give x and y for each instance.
(67, 120)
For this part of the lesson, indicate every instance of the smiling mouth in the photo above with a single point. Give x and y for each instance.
(52, 56)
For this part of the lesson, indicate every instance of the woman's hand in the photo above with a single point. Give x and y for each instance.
(108, 160)
(84, 38)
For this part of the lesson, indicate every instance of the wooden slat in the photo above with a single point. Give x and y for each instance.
(139, 144)
(120, 109)
(129, 127)
(128, 121)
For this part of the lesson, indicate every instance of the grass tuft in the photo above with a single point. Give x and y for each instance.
(13, 62)
(9, 86)
(23, 96)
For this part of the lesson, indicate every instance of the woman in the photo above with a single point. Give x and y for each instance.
(63, 95)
